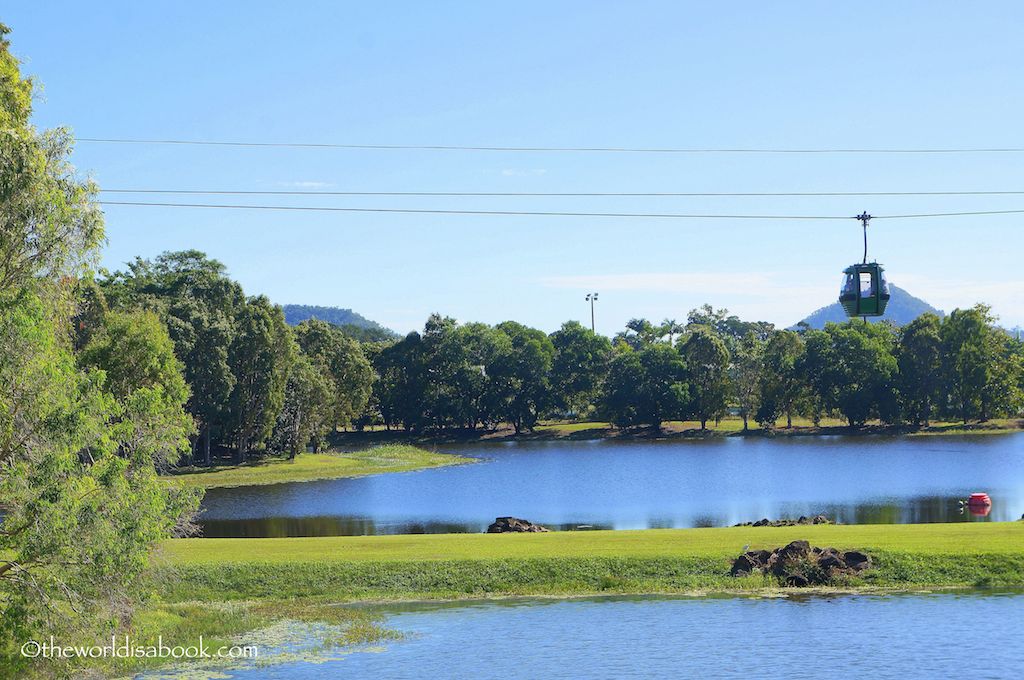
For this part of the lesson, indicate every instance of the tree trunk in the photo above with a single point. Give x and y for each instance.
(206, 445)
(745, 425)
(789, 420)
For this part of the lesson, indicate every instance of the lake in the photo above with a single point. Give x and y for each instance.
(895, 636)
(638, 484)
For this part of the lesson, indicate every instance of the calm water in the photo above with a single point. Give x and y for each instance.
(635, 485)
(909, 636)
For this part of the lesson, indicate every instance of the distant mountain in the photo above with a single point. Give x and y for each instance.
(902, 309)
(354, 325)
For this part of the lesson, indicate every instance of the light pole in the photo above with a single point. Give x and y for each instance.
(592, 298)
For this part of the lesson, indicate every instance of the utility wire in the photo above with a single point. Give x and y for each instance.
(546, 213)
(474, 212)
(561, 194)
(559, 149)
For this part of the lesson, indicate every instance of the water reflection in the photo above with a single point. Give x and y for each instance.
(907, 511)
(638, 485)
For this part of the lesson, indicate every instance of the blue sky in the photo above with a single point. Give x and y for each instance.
(644, 74)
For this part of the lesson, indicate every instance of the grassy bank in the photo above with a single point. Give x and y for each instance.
(312, 466)
(728, 427)
(572, 563)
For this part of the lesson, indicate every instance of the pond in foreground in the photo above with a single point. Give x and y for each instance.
(637, 485)
(897, 636)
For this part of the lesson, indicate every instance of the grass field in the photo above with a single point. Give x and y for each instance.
(310, 466)
(562, 563)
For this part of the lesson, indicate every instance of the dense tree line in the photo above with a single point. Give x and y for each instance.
(961, 367)
(258, 384)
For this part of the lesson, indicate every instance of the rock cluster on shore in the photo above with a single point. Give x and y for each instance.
(503, 525)
(817, 519)
(799, 564)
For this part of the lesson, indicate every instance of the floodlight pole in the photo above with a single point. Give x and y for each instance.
(592, 298)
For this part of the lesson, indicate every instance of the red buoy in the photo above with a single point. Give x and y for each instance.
(979, 510)
(979, 499)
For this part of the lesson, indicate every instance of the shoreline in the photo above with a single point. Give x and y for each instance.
(309, 467)
(670, 431)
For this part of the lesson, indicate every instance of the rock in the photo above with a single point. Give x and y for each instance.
(817, 519)
(795, 550)
(504, 525)
(830, 558)
(799, 564)
(856, 560)
(797, 580)
(743, 566)
(750, 561)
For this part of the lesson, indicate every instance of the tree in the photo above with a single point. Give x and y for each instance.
(816, 369)
(671, 328)
(306, 414)
(919, 357)
(49, 224)
(80, 502)
(90, 310)
(982, 370)
(645, 387)
(579, 368)
(202, 335)
(198, 302)
(744, 376)
(448, 400)
(729, 327)
(141, 372)
(260, 356)
(523, 375)
(639, 333)
(401, 383)
(707, 369)
(865, 371)
(780, 383)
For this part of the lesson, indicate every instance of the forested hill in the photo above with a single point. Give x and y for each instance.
(354, 324)
(903, 308)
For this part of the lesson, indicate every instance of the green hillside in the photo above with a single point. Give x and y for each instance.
(354, 324)
(903, 308)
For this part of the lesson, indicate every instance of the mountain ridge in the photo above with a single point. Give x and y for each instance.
(337, 316)
(901, 310)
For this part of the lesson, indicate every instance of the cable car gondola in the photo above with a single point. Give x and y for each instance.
(865, 291)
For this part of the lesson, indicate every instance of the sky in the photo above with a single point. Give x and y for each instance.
(638, 74)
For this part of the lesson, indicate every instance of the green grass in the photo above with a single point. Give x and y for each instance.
(564, 563)
(310, 466)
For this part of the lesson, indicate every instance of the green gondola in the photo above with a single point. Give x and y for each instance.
(865, 291)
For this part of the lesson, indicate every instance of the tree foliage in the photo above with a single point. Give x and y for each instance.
(707, 368)
(80, 437)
